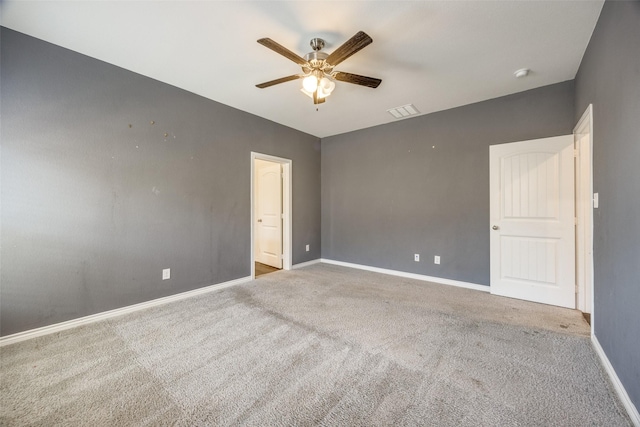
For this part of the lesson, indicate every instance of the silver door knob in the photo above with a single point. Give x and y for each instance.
(259, 220)
(495, 227)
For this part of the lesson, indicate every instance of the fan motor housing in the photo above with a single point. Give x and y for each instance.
(315, 56)
(316, 62)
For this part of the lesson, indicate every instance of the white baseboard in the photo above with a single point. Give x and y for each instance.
(306, 264)
(422, 277)
(45, 330)
(617, 384)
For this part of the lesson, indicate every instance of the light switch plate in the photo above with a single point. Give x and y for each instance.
(166, 274)
(595, 200)
(436, 259)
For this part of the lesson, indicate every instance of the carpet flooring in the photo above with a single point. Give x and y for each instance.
(323, 345)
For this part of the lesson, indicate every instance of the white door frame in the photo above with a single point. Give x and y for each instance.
(584, 181)
(287, 204)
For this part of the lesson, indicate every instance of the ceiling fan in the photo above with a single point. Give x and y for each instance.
(318, 67)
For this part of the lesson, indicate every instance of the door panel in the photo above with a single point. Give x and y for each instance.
(269, 215)
(532, 220)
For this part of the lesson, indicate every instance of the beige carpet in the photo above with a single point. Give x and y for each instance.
(323, 345)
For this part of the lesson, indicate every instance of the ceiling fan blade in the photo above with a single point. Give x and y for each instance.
(348, 48)
(278, 48)
(278, 81)
(357, 79)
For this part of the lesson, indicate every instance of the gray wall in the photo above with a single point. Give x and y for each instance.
(421, 185)
(609, 77)
(96, 201)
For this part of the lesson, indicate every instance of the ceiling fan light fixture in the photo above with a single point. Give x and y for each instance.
(306, 92)
(310, 83)
(321, 93)
(318, 74)
(324, 86)
(327, 85)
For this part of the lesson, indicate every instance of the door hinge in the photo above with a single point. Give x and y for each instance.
(575, 220)
(575, 153)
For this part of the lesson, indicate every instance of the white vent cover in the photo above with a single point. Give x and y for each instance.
(404, 111)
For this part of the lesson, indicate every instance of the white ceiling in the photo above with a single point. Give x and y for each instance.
(433, 54)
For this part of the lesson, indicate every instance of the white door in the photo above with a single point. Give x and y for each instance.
(269, 214)
(584, 213)
(533, 220)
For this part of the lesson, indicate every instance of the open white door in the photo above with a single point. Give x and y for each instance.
(533, 220)
(584, 212)
(269, 214)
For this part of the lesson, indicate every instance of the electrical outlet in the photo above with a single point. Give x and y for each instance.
(166, 274)
(307, 248)
(436, 259)
(416, 257)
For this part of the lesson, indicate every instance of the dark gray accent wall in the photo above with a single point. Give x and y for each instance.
(97, 200)
(421, 185)
(609, 78)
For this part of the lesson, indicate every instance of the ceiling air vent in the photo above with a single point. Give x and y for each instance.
(404, 111)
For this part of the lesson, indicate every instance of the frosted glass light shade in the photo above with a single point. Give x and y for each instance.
(327, 85)
(310, 83)
(314, 87)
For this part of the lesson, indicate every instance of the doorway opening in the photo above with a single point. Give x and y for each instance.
(270, 214)
(262, 269)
